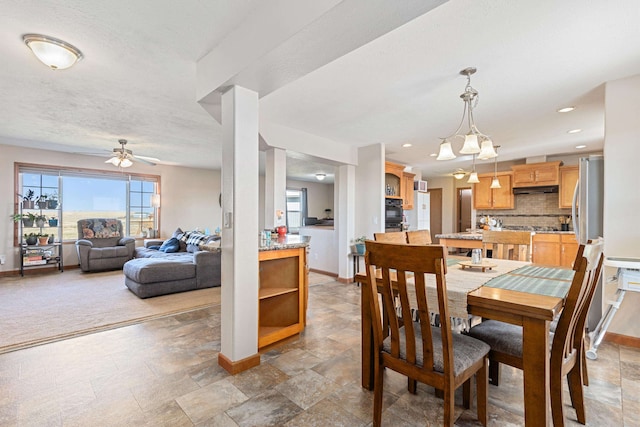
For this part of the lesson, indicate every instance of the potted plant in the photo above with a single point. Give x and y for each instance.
(27, 200)
(52, 201)
(53, 221)
(31, 238)
(359, 245)
(39, 219)
(43, 239)
(27, 218)
(51, 238)
(42, 202)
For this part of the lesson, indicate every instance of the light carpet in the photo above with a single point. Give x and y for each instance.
(44, 308)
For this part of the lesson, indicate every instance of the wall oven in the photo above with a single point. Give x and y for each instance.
(393, 214)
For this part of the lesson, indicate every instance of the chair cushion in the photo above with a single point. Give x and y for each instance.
(466, 350)
(502, 337)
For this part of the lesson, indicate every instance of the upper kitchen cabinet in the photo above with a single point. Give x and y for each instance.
(407, 190)
(536, 174)
(568, 181)
(393, 180)
(485, 197)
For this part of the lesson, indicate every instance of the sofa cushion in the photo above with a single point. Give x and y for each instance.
(170, 245)
(111, 252)
(152, 270)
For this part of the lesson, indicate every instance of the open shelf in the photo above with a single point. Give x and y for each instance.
(265, 293)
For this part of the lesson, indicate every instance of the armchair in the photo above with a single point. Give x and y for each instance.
(101, 245)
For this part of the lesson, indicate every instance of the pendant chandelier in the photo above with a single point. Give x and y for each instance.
(475, 142)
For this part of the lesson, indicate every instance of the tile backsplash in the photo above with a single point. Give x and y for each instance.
(537, 210)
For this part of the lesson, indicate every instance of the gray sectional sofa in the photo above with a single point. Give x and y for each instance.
(153, 272)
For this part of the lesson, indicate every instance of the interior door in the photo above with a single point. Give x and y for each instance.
(435, 213)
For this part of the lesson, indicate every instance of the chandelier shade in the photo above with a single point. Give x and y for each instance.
(475, 142)
(54, 53)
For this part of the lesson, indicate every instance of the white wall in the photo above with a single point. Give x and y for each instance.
(369, 203)
(189, 196)
(319, 196)
(448, 201)
(621, 183)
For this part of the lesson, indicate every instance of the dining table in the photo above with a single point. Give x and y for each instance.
(515, 292)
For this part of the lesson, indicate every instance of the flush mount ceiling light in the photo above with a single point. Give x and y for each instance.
(320, 176)
(406, 145)
(475, 142)
(54, 53)
(574, 131)
(459, 174)
(565, 109)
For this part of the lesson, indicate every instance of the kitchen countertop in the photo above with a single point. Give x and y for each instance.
(290, 241)
(478, 235)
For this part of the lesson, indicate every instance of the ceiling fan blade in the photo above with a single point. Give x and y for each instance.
(141, 160)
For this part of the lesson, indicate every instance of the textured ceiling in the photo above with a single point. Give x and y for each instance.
(138, 78)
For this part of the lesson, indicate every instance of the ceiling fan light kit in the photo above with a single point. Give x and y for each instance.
(54, 53)
(123, 158)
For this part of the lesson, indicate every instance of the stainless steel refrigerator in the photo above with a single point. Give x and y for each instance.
(587, 213)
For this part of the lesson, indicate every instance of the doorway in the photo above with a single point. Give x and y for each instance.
(435, 213)
(463, 213)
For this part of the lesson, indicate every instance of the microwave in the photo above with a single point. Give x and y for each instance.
(420, 186)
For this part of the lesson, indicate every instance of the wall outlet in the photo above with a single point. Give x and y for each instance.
(3, 259)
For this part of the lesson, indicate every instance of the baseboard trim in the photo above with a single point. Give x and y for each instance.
(326, 273)
(37, 270)
(625, 340)
(239, 365)
(345, 280)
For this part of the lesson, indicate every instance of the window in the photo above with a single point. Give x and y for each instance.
(93, 194)
(296, 208)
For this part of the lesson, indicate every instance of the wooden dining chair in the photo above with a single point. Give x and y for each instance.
(567, 345)
(424, 353)
(419, 237)
(507, 244)
(399, 237)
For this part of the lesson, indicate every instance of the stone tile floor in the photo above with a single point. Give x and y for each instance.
(165, 372)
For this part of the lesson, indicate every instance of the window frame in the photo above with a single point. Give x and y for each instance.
(61, 171)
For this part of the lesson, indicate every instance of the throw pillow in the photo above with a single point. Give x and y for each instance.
(178, 233)
(170, 245)
(193, 248)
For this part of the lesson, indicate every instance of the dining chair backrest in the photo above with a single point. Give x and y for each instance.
(419, 237)
(399, 237)
(401, 272)
(568, 339)
(507, 244)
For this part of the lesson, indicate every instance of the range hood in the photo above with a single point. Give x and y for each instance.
(536, 190)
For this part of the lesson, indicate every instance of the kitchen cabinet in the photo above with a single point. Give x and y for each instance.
(407, 190)
(536, 174)
(485, 197)
(568, 180)
(393, 180)
(282, 295)
(554, 249)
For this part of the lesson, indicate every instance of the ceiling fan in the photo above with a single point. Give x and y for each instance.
(124, 158)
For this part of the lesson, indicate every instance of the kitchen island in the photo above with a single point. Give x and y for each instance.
(283, 293)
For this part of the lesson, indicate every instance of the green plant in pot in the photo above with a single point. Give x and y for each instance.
(42, 202)
(53, 221)
(31, 238)
(27, 200)
(43, 239)
(40, 220)
(27, 218)
(359, 245)
(52, 201)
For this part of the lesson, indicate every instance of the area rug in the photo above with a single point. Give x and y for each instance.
(49, 307)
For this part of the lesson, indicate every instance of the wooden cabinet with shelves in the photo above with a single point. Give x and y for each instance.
(485, 197)
(282, 294)
(393, 180)
(536, 174)
(407, 190)
(554, 249)
(568, 180)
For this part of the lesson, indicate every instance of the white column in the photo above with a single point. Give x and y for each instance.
(275, 188)
(239, 327)
(344, 216)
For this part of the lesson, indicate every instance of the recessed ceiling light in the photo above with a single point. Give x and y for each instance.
(406, 145)
(433, 154)
(581, 146)
(565, 109)
(574, 131)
